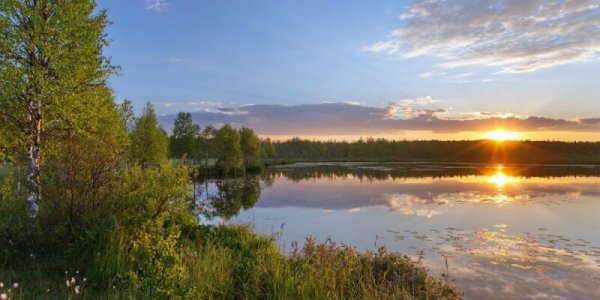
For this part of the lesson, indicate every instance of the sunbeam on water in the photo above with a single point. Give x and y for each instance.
(500, 179)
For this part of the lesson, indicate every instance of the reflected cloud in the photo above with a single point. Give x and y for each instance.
(410, 205)
(486, 261)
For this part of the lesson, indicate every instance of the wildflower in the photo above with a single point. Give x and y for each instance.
(15, 285)
(68, 283)
(3, 296)
(84, 279)
(1, 285)
(77, 290)
(73, 280)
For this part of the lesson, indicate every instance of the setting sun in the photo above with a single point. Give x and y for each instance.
(501, 135)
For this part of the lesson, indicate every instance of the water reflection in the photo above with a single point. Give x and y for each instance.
(500, 179)
(513, 231)
(228, 197)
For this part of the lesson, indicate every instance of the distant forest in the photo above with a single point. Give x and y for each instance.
(235, 151)
(479, 151)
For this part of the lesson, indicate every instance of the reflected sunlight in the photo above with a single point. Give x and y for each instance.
(500, 179)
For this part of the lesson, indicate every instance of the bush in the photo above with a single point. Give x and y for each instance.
(157, 266)
(14, 221)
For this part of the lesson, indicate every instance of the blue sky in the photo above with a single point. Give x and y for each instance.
(528, 58)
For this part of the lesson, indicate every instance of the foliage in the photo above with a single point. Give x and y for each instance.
(206, 144)
(142, 247)
(157, 266)
(79, 170)
(268, 150)
(148, 141)
(230, 157)
(14, 220)
(51, 69)
(126, 111)
(161, 194)
(251, 149)
(183, 141)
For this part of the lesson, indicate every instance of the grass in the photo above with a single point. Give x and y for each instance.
(314, 271)
(232, 262)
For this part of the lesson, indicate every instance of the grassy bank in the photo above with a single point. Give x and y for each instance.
(231, 262)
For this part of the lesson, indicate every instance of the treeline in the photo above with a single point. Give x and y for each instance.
(233, 151)
(479, 151)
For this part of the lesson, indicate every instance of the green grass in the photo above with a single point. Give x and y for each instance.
(256, 269)
(232, 262)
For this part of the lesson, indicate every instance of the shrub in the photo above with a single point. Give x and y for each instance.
(14, 221)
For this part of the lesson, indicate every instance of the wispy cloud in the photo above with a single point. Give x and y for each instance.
(157, 5)
(510, 36)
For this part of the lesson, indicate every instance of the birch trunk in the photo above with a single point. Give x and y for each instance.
(34, 157)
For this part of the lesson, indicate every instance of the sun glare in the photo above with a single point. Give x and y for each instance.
(501, 135)
(500, 179)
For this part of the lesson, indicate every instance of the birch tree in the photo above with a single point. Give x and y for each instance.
(51, 65)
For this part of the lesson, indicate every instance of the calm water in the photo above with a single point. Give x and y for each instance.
(505, 231)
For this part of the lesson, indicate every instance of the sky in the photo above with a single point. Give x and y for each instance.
(427, 69)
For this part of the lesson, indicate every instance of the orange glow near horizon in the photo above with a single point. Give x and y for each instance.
(501, 135)
(414, 135)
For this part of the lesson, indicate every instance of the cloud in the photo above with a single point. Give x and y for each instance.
(325, 119)
(511, 36)
(411, 108)
(157, 5)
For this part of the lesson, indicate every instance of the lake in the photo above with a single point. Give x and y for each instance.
(506, 232)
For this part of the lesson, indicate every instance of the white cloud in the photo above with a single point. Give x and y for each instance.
(509, 35)
(157, 5)
(412, 108)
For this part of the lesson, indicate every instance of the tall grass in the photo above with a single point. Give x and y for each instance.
(232, 262)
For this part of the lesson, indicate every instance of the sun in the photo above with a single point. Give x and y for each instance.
(501, 135)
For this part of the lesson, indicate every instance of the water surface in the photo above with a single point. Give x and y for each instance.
(506, 232)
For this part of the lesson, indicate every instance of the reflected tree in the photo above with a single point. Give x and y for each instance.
(231, 197)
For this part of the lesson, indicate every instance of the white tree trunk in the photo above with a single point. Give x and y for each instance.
(34, 156)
